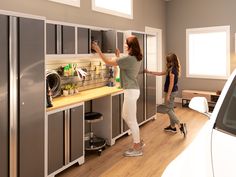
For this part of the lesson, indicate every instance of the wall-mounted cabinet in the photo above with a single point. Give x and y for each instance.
(60, 39)
(83, 36)
(120, 41)
(106, 40)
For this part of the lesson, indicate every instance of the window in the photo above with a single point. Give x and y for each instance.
(208, 52)
(122, 8)
(68, 2)
(226, 119)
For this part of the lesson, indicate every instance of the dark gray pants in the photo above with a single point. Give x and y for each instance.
(168, 108)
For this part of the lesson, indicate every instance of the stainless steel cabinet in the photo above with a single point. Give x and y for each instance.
(150, 96)
(83, 45)
(76, 130)
(106, 39)
(150, 84)
(4, 102)
(119, 127)
(65, 139)
(22, 90)
(120, 41)
(60, 39)
(55, 141)
(146, 105)
(141, 100)
(117, 101)
(31, 96)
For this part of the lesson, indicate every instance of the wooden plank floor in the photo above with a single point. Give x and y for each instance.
(160, 149)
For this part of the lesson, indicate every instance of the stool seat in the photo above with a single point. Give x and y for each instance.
(92, 142)
(93, 117)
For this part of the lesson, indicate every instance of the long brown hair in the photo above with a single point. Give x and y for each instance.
(172, 61)
(134, 47)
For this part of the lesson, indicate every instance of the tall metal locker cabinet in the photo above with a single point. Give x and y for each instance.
(4, 87)
(141, 100)
(22, 96)
(150, 87)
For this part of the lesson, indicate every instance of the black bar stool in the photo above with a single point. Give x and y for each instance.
(94, 143)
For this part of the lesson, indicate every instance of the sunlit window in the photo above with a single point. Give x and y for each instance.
(123, 8)
(208, 52)
(68, 2)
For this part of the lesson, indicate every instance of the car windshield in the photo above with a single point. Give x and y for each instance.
(226, 119)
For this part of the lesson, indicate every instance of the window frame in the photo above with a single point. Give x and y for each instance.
(112, 12)
(203, 31)
(68, 2)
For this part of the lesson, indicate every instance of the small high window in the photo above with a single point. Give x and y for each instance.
(122, 8)
(68, 2)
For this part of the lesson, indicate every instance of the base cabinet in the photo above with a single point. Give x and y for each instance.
(116, 115)
(119, 127)
(55, 141)
(65, 139)
(76, 133)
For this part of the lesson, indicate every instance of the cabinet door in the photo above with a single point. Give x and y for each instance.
(4, 144)
(120, 41)
(109, 41)
(31, 97)
(141, 100)
(68, 40)
(83, 41)
(125, 126)
(55, 141)
(116, 115)
(76, 132)
(97, 37)
(150, 96)
(51, 39)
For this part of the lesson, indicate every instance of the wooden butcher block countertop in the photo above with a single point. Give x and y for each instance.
(82, 96)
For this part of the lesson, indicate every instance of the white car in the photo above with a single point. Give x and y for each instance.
(213, 152)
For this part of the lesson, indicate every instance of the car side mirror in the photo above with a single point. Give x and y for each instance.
(199, 104)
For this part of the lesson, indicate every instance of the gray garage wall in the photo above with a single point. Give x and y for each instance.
(146, 13)
(182, 14)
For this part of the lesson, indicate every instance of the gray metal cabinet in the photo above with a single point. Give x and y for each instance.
(60, 39)
(150, 85)
(65, 139)
(120, 41)
(23, 88)
(106, 39)
(76, 132)
(119, 126)
(96, 36)
(141, 100)
(83, 46)
(109, 41)
(51, 39)
(31, 96)
(68, 39)
(150, 96)
(4, 102)
(55, 141)
(116, 115)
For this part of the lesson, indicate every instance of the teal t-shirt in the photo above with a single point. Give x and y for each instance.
(129, 69)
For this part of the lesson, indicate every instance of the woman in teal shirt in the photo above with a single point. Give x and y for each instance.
(129, 68)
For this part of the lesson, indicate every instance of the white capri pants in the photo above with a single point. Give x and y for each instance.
(129, 112)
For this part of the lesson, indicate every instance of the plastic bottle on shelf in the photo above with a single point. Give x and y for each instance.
(118, 82)
(117, 76)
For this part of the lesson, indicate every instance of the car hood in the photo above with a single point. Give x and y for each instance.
(195, 160)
